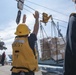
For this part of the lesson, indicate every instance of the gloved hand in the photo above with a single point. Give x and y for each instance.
(36, 15)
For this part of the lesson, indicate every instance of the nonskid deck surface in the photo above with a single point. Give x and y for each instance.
(5, 70)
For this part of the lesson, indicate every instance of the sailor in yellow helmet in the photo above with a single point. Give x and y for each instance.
(24, 53)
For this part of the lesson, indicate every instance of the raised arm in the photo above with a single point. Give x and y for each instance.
(36, 26)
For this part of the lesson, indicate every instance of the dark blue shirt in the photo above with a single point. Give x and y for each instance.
(32, 39)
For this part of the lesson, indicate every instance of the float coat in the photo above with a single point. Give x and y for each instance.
(23, 56)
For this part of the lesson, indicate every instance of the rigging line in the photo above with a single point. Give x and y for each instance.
(54, 28)
(28, 10)
(46, 8)
(60, 25)
(44, 30)
(61, 20)
(41, 32)
(31, 8)
(58, 31)
(40, 17)
(63, 26)
(41, 13)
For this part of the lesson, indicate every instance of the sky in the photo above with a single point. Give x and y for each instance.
(59, 9)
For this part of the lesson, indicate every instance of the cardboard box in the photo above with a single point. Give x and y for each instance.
(54, 48)
(46, 55)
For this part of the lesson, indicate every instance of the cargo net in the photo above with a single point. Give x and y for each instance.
(52, 47)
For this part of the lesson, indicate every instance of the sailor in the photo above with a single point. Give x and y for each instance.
(70, 51)
(24, 53)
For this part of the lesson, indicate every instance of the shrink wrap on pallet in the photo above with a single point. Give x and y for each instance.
(52, 48)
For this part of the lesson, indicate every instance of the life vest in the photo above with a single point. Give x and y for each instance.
(24, 58)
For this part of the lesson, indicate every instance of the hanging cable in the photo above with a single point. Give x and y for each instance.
(41, 13)
(48, 21)
(56, 39)
(58, 31)
(28, 10)
(60, 20)
(43, 29)
(44, 45)
(29, 7)
(46, 8)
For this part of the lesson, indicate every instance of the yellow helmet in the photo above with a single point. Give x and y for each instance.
(22, 29)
